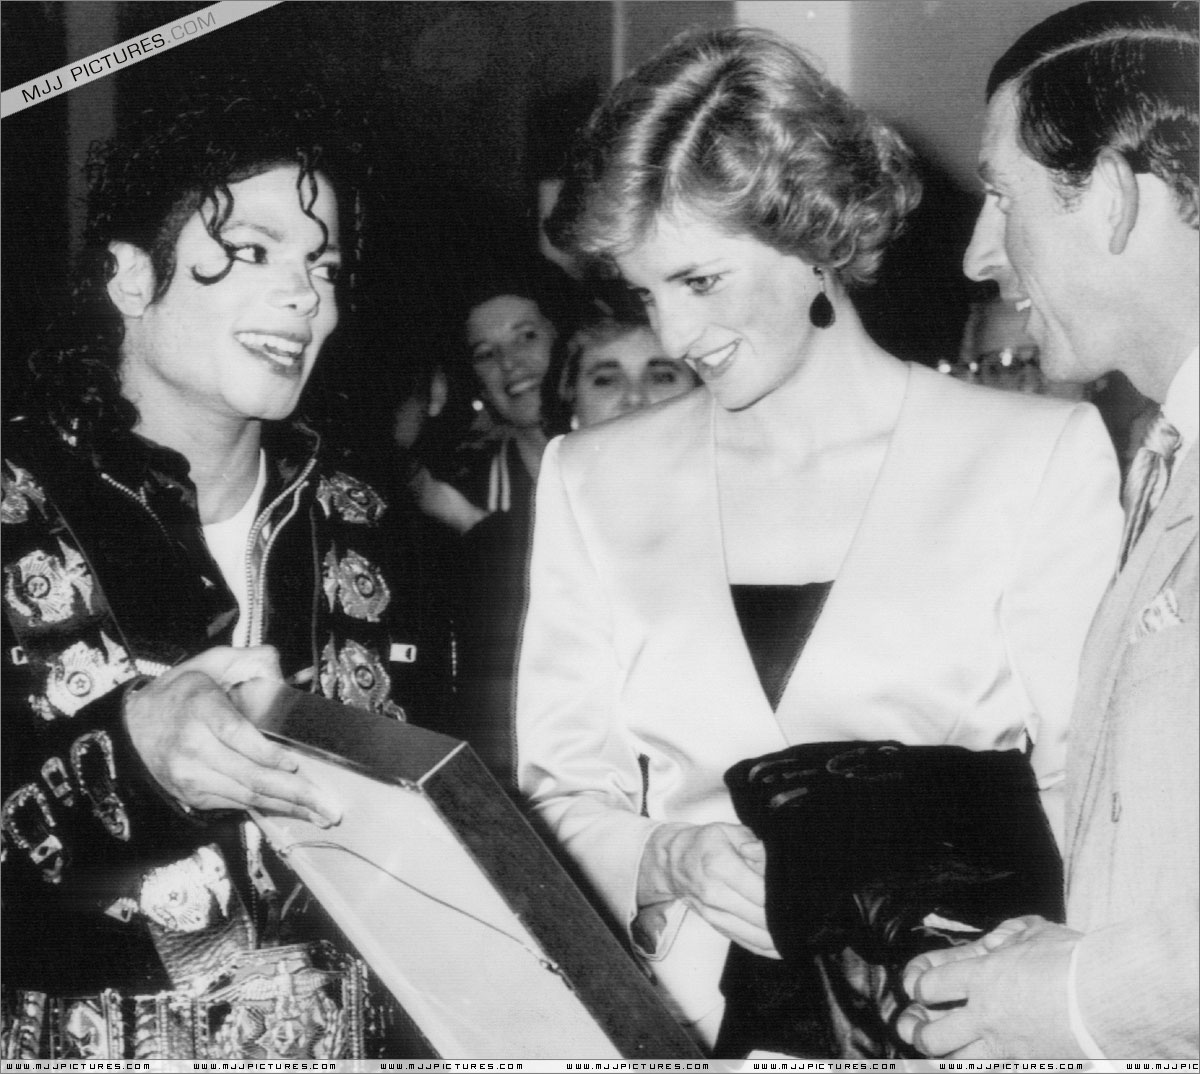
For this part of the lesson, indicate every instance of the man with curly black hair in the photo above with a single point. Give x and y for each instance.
(169, 533)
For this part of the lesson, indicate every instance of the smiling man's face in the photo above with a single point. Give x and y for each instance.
(241, 346)
(1044, 252)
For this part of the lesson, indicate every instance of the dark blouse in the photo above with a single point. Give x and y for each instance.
(776, 623)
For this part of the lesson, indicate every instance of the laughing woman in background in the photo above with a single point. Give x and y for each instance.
(826, 545)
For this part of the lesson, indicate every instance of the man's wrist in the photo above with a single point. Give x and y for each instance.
(142, 771)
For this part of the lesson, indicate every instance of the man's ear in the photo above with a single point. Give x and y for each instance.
(131, 288)
(1120, 184)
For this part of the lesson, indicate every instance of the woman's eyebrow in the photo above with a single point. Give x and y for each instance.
(702, 268)
(602, 363)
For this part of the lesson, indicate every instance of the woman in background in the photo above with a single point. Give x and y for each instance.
(497, 347)
(513, 317)
(612, 364)
(826, 545)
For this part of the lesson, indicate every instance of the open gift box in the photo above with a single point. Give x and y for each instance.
(451, 897)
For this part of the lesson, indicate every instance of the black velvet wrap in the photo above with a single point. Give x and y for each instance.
(866, 839)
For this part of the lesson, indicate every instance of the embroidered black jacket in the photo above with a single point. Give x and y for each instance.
(107, 576)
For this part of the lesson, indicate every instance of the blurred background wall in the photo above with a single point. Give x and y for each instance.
(920, 64)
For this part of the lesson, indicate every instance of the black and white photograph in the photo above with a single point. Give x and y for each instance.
(646, 534)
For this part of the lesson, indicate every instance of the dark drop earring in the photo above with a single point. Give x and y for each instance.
(821, 311)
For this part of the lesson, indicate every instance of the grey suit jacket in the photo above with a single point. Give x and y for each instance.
(1132, 804)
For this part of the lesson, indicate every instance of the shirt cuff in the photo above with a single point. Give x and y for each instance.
(655, 928)
(1086, 1042)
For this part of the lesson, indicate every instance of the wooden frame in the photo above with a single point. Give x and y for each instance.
(451, 897)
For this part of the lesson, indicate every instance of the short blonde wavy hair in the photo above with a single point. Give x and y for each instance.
(741, 126)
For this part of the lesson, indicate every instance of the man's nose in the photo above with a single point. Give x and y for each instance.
(297, 292)
(985, 258)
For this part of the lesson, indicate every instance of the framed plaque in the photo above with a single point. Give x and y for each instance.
(451, 897)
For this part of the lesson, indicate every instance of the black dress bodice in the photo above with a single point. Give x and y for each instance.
(769, 1004)
(776, 623)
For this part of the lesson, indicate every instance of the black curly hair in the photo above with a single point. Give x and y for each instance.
(143, 186)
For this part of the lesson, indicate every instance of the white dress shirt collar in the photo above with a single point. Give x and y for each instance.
(1182, 404)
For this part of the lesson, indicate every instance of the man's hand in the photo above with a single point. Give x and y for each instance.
(1009, 991)
(205, 753)
(717, 870)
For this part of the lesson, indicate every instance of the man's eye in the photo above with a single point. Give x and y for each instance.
(481, 356)
(602, 380)
(701, 285)
(643, 296)
(251, 252)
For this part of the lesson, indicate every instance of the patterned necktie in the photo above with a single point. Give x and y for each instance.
(1147, 479)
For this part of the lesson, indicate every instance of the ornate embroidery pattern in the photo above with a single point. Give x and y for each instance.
(56, 777)
(44, 589)
(91, 1028)
(294, 1002)
(188, 895)
(23, 1037)
(29, 823)
(96, 774)
(356, 676)
(164, 1026)
(81, 674)
(285, 1008)
(357, 584)
(20, 490)
(353, 500)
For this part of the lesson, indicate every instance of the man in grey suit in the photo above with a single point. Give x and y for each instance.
(1089, 163)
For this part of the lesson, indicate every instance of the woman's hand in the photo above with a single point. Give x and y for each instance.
(205, 753)
(717, 870)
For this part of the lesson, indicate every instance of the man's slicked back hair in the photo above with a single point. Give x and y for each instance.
(1120, 76)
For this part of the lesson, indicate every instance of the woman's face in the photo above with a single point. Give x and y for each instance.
(626, 373)
(733, 308)
(510, 340)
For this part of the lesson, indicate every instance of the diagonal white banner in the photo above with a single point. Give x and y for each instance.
(152, 43)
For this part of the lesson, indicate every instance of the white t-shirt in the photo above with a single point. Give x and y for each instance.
(228, 540)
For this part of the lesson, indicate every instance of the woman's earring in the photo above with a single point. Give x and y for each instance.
(574, 422)
(821, 311)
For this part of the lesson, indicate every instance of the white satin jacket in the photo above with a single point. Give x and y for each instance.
(957, 617)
